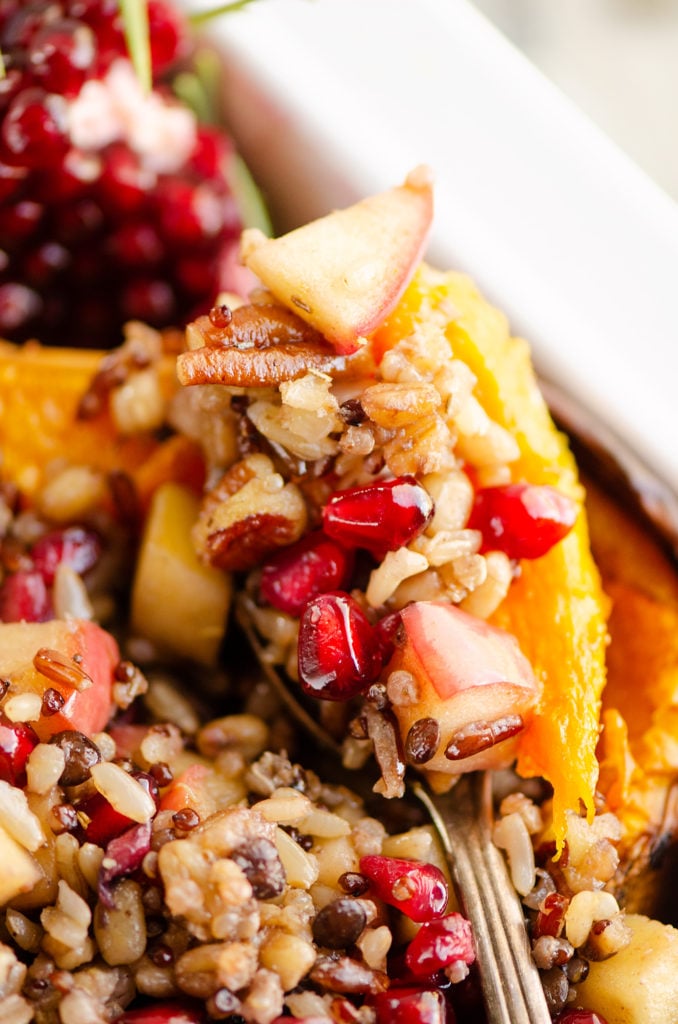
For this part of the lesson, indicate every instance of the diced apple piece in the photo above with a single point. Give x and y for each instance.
(86, 710)
(639, 984)
(470, 678)
(178, 603)
(20, 872)
(344, 273)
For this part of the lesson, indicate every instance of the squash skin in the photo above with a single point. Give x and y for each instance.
(556, 608)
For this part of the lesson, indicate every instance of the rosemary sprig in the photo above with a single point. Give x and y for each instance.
(137, 37)
(200, 17)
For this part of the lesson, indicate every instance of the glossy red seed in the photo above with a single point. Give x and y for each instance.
(18, 307)
(189, 213)
(29, 18)
(34, 127)
(551, 917)
(11, 180)
(338, 653)
(314, 565)
(386, 631)
(165, 1013)
(168, 34)
(381, 517)
(137, 244)
(208, 159)
(410, 1006)
(62, 55)
(24, 598)
(439, 944)
(419, 890)
(148, 299)
(580, 1017)
(74, 546)
(522, 520)
(45, 262)
(124, 184)
(17, 740)
(18, 221)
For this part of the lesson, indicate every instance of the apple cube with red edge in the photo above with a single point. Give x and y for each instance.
(467, 672)
(86, 710)
(344, 273)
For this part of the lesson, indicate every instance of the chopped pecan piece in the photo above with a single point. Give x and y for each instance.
(256, 326)
(249, 514)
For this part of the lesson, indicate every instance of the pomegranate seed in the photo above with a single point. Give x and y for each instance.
(62, 54)
(165, 1013)
(45, 262)
(386, 631)
(168, 35)
(34, 128)
(18, 306)
(10, 85)
(189, 213)
(439, 944)
(381, 517)
(419, 890)
(209, 155)
(580, 1017)
(17, 740)
(551, 916)
(522, 520)
(76, 547)
(105, 822)
(29, 18)
(137, 244)
(124, 184)
(312, 566)
(338, 652)
(149, 300)
(24, 598)
(410, 1006)
(19, 221)
(11, 180)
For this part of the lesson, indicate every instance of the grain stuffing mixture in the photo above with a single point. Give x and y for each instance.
(373, 492)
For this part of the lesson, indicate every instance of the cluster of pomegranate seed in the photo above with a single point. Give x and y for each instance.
(114, 204)
(522, 520)
(25, 593)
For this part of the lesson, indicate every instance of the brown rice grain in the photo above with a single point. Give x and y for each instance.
(123, 792)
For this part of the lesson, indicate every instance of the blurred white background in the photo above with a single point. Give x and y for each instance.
(617, 59)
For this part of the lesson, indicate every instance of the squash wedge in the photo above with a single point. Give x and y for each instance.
(40, 389)
(556, 608)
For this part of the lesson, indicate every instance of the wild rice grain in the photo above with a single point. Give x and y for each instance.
(59, 669)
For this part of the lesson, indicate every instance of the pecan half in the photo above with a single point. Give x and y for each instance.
(255, 367)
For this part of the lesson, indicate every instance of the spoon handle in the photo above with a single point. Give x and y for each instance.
(510, 981)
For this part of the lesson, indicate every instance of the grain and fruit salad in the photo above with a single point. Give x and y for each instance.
(344, 457)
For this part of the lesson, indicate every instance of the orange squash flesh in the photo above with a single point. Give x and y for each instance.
(40, 389)
(556, 608)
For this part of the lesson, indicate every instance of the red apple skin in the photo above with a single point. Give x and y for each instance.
(466, 671)
(86, 710)
(344, 273)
